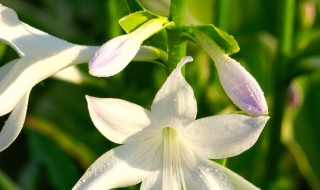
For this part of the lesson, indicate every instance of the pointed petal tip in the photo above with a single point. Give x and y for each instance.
(184, 61)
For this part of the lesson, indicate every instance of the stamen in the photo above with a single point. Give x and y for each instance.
(171, 160)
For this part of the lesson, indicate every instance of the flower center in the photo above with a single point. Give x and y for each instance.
(172, 170)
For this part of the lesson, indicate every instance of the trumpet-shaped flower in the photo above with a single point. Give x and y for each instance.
(238, 83)
(166, 148)
(117, 53)
(41, 55)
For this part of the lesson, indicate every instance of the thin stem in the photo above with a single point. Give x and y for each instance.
(176, 47)
(280, 86)
(113, 29)
(288, 27)
(223, 14)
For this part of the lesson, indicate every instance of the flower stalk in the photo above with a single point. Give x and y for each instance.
(176, 47)
(280, 86)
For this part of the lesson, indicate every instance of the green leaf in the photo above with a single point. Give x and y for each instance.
(220, 37)
(2, 49)
(301, 127)
(61, 169)
(65, 141)
(303, 66)
(134, 20)
(134, 6)
(7, 183)
(158, 40)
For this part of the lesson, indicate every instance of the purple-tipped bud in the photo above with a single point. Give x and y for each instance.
(239, 85)
(117, 53)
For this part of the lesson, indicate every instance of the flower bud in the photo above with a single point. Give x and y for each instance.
(239, 85)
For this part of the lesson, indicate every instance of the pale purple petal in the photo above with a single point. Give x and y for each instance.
(175, 101)
(12, 127)
(223, 136)
(117, 53)
(120, 121)
(239, 85)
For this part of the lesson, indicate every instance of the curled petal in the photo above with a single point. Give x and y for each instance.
(42, 55)
(26, 72)
(119, 120)
(25, 39)
(175, 99)
(223, 136)
(122, 166)
(117, 53)
(14, 124)
(239, 85)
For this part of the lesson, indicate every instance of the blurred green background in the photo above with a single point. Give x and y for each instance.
(59, 141)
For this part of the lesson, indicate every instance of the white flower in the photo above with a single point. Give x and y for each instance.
(41, 56)
(167, 148)
(116, 54)
(238, 83)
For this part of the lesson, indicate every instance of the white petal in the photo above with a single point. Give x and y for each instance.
(71, 74)
(117, 53)
(24, 38)
(154, 179)
(120, 121)
(238, 182)
(202, 174)
(30, 70)
(238, 83)
(175, 99)
(223, 136)
(122, 166)
(148, 53)
(5, 69)
(163, 175)
(14, 124)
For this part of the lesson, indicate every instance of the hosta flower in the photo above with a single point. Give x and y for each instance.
(238, 83)
(166, 148)
(117, 53)
(41, 56)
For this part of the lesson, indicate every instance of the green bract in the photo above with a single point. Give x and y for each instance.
(220, 37)
(132, 21)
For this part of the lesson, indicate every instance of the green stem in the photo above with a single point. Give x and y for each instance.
(176, 47)
(224, 13)
(113, 29)
(280, 86)
(288, 27)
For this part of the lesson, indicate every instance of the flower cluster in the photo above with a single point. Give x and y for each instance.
(165, 148)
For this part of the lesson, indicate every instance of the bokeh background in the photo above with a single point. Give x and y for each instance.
(59, 141)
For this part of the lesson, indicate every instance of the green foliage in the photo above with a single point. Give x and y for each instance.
(59, 141)
(134, 20)
(223, 39)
